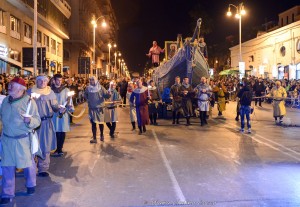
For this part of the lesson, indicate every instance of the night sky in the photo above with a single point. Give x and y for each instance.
(142, 21)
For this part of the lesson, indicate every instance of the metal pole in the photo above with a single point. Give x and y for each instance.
(42, 61)
(109, 60)
(35, 39)
(240, 34)
(94, 46)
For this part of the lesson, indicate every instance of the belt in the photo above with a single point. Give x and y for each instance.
(111, 107)
(46, 117)
(17, 137)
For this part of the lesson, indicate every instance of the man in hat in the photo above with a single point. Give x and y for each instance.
(95, 94)
(47, 106)
(17, 125)
(61, 123)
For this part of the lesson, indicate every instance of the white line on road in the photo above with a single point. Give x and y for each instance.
(269, 145)
(176, 186)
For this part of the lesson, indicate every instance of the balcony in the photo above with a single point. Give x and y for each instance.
(27, 40)
(3, 29)
(63, 6)
(15, 34)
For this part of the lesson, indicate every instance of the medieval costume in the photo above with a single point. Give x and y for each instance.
(47, 106)
(139, 98)
(16, 142)
(95, 96)
(155, 97)
(220, 90)
(279, 109)
(132, 110)
(176, 102)
(187, 94)
(203, 91)
(111, 112)
(62, 123)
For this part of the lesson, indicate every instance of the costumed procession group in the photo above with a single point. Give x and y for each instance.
(43, 112)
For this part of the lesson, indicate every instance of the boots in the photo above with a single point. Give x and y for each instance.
(177, 118)
(188, 121)
(173, 115)
(133, 126)
(140, 130)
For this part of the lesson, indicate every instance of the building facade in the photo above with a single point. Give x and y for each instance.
(16, 34)
(275, 53)
(78, 50)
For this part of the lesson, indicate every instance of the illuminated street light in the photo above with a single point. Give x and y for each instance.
(240, 11)
(94, 23)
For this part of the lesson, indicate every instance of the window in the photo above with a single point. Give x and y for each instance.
(298, 46)
(287, 20)
(46, 42)
(1, 17)
(14, 24)
(282, 51)
(53, 46)
(293, 17)
(27, 31)
(39, 37)
(281, 21)
(59, 49)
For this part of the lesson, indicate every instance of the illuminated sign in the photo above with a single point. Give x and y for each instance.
(3, 50)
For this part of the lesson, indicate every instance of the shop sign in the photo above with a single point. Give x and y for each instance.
(3, 50)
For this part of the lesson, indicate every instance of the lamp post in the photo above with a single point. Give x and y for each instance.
(240, 11)
(94, 23)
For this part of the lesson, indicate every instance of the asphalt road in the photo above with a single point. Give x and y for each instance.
(176, 165)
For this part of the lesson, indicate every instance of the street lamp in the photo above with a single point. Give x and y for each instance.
(240, 11)
(94, 23)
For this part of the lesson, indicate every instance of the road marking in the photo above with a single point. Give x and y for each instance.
(94, 164)
(269, 145)
(176, 186)
(226, 157)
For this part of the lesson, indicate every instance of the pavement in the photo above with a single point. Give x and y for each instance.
(175, 165)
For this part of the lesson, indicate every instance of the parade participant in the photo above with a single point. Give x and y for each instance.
(278, 92)
(154, 53)
(139, 98)
(15, 139)
(155, 99)
(259, 88)
(122, 88)
(203, 48)
(245, 98)
(203, 93)
(220, 89)
(187, 94)
(111, 113)
(95, 94)
(176, 100)
(132, 110)
(61, 123)
(47, 105)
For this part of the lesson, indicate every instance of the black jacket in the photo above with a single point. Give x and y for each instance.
(245, 95)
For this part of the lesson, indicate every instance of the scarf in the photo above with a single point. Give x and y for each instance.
(57, 90)
(152, 88)
(42, 91)
(186, 85)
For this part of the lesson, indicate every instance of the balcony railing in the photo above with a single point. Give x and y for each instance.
(15, 34)
(3, 29)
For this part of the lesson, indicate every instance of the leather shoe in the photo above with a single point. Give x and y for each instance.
(31, 190)
(5, 201)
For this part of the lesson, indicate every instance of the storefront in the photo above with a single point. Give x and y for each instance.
(283, 72)
(298, 71)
